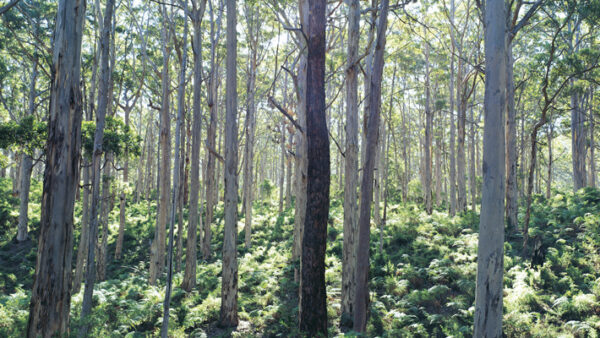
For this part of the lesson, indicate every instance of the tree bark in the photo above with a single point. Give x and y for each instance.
(103, 89)
(512, 205)
(351, 162)
(157, 261)
(254, 28)
(452, 177)
(195, 215)
(229, 315)
(428, 134)
(490, 253)
(51, 295)
(366, 191)
(313, 306)
(26, 165)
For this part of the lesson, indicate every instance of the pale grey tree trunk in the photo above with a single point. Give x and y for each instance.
(351, 162)
(176, 192)
(253, 28)
(301, 146)
(550, 160)
(51, 296)
(229, 316)
(195, 215)
(428, 133)
(103, 96)
(490, 253)
(592, 171)
(26, 165)
(84, 240)
(157, 259)
(452, 176)
(366, 192)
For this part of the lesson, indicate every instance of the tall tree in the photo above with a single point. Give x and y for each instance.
(229, 316)
(252, 21)
(490, 253)
(51, 295)
(351, 161)
(195, 216)
(157, 261)
(26, 164)
(361, 300)
(90, 278)
(313, 307)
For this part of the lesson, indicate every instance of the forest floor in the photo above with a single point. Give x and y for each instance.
(422, 282)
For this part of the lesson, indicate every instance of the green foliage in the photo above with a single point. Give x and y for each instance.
(28, 134)
(118, 138)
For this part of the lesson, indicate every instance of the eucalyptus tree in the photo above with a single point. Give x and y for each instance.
(195, 216)
(157, 262)
(366, 190)
(103, 96)
(51, 296)
(229, 287)
(490, 252)
(351, 161)
(313, 306)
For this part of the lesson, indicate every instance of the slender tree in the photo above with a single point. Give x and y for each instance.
(361, 300)
(229, 316)
(490, 253)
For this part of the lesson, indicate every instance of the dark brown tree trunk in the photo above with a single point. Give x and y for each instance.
(313, 304)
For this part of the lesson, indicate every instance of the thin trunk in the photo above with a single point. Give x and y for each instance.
(195, 215)
(90, 278)
(490, 253)
(512, 205)
(176, 193)
(26, 165)
(351, 162)
(366, 191)
(157, 261)
(229, 314)
(253, 26)
(428, 134)
(452, 177)
(550, 159)
(592, 178)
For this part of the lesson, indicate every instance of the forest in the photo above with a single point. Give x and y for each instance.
(299, 168)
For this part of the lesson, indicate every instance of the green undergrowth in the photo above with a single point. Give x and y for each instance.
(422, 283)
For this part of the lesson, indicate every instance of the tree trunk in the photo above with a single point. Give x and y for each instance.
(51, 295)
(195, 215)
(211, 183)
(103, 95)
(229, 315)
(253, 27)
(176, 193)
(490, 253)
(452, 177)
(592, 172)
(428, 134)
(366, 190)
(313, 306)
(512, 205)
(460, 147)
(26, 165)
(351, 162)
(550, 159)
(157, 261)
